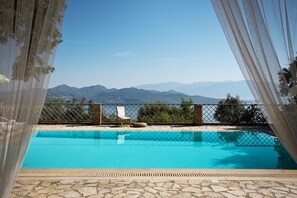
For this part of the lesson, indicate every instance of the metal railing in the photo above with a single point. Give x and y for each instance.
(66, 114)
(150, 113)
(250, 114)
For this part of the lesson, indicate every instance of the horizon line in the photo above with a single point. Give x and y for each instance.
(135, 86)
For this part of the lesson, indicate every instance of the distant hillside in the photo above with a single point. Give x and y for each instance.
(67, 91)
(101, 94)
(210, 89)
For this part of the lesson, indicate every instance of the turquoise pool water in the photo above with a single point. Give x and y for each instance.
(214, 150)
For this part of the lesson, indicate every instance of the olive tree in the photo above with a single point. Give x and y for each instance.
(229, 110)
(165, 113)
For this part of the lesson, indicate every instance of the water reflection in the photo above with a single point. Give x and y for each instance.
(122, 136)
(284, 160)
(230, 137)
(243, 146)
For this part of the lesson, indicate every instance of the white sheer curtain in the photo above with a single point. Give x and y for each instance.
(263, 37)
(29, 34)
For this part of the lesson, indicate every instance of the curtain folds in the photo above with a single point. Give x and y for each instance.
(263, 37)
(29, 34)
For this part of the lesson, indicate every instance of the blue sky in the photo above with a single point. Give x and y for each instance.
(124, 43)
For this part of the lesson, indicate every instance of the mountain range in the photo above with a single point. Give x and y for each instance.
(170, 92)
(210, 89)
(101, 94)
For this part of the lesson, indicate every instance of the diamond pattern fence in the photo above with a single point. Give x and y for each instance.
(250, 114)
(66, 113)
(149, 113)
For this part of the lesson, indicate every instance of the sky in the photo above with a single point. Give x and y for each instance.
(125, 43)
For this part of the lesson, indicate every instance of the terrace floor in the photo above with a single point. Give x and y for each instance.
(155, 183)
(95, 187)
(221, 128)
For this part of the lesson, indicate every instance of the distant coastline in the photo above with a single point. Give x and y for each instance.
(170, 92)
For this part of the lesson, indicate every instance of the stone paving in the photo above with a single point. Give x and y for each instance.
(116, 188)
(159, 128)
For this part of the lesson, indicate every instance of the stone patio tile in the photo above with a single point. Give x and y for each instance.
(196, 182)
(206, 189)
(87, 191)
(121, 195)
(280, 195)
(54, 196)
(205, 183)
(103, 191)
(108, 195)
(103, 182)
(251, 187)
(148, 195)
(165, 194)
(168, 184)
(281, 188)
(70, 194)
(197, 194)
(97, 196)
(294, 191)
(138, 190)
(182, 195)
(176, 186)
(134, 196)
(67, 181)
(160, 188)
(75, 186)
(228, 195)
(91, 181)
(191, 189)
(41, 196)
(277, 191)
(131, 192)
(265, 191)
(291, 186)
(237, 192)
(213, 194)
(150, 190)
(218, 188)
(64, 186)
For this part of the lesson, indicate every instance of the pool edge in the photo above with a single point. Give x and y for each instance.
(214, 174)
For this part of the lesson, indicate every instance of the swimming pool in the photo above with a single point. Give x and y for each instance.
(213, 150)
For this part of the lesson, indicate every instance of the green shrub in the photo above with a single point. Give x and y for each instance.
(253, 114)
(229, 110)
(61, 110)
(165, 113)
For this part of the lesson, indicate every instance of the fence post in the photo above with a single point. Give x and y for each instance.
(197, 114)
(97, 114)
(2, 109)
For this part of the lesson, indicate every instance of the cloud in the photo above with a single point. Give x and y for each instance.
(124, 54)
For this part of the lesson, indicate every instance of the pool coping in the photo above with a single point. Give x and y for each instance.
(212, 174)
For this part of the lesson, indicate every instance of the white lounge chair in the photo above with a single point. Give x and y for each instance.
(122, 117)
